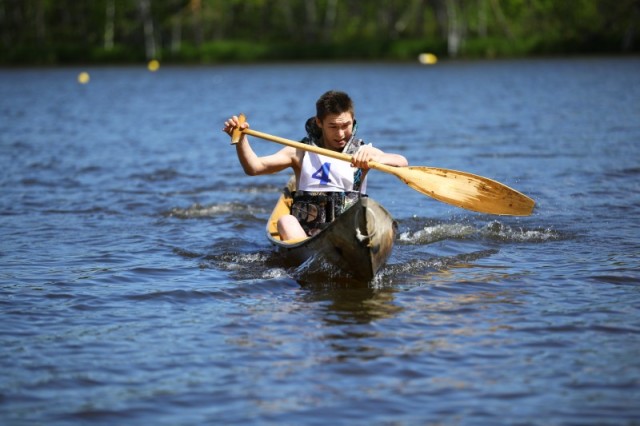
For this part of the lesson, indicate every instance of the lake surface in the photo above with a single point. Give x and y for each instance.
(137, 286)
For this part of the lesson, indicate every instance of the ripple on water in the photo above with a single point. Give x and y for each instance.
(137, 286)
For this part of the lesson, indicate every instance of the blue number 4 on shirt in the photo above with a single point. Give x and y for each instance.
(322, 174)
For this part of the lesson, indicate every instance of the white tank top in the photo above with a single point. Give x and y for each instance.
(325, 174)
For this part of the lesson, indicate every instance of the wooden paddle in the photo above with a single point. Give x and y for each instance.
(461, 189)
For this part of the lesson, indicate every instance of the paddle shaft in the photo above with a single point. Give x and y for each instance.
(461, 189)
(322, 151)
(302, 146)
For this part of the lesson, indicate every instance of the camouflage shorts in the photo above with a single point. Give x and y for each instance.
(316, 210)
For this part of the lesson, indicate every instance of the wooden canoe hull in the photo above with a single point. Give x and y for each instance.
(357, 244)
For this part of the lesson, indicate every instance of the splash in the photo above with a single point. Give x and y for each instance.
(275, 273)
(236, 261)
(431, 234)
(414, 266)
(494, 230)
(199, 211)
(316, 267)
(501, 232)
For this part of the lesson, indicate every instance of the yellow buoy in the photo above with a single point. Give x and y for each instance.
(427, 58)
(153, 65)
(83, 77)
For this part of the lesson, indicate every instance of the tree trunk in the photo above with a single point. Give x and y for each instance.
(109, 25)
(176, 34)
(311, 20)
(441, 13)
(454, 29)
(419, 18)
(502, 20)
(147, 22)
(330, 19)
(630, 32)
(196, 13)
(41, 30)
(287, 13)
(4, 23)
(482, 18)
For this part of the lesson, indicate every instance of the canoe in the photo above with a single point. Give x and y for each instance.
(357, 244)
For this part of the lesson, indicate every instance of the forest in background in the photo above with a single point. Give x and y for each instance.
(50, 32)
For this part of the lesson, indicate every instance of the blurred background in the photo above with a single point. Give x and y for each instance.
(47, 32)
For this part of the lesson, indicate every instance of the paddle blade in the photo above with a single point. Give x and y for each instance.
(466, 190)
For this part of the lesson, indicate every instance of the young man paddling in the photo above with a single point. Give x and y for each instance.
(325, 186)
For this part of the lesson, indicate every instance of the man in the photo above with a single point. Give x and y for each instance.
(325, 186)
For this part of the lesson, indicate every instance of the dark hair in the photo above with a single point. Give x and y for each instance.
(333, 102)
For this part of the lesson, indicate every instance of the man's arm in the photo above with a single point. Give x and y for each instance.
(251, 163)
(254, 165)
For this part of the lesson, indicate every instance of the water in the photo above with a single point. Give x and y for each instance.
(136, 284)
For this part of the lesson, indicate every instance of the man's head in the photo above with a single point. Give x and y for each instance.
(333, 103)
(335, 117)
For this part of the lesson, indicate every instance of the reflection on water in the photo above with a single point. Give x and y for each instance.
(349, 315)
(345, 304)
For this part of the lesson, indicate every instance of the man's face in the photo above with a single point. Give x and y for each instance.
(336, 130)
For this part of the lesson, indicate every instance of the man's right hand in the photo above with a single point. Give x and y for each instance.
(232, 123)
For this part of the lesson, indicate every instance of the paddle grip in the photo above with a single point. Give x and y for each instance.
(236, 136)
